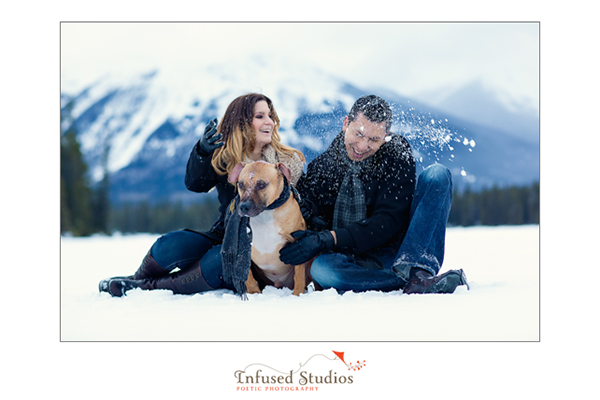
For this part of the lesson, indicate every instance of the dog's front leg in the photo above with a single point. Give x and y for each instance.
(299, 280)
(252, 284)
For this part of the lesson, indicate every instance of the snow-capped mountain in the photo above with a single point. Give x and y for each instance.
(141, 128)
(477, 101)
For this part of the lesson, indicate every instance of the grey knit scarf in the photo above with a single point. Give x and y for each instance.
(237, 249)
(350, 203)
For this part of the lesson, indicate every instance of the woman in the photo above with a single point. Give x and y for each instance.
(248, 132)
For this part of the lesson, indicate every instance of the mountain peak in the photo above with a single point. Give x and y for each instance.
(141, 126)
(479, 101)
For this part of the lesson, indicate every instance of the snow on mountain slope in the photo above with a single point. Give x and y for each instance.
(141, 127)
(123, 111)
(484, 104)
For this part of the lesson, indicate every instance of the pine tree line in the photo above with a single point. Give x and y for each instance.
(496, 206)
(83, 210)
(164, 217)
(86, 209)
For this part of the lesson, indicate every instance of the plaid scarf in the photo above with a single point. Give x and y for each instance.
(350, 202)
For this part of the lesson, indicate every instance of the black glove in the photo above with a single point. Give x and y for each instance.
(308, 245)
(207, 144)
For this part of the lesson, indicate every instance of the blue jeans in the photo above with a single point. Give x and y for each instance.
(422, 247)
(181, 249)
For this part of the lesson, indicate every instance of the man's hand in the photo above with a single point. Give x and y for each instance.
(308, 245)
(208, 142)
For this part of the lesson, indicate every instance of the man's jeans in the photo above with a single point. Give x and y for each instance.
(422, 247)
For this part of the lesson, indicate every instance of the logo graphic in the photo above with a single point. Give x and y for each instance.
(356, 367)
(253, 378)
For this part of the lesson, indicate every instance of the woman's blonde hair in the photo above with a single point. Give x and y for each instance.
(239, 137)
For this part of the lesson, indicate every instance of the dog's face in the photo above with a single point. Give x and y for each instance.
(259, 184)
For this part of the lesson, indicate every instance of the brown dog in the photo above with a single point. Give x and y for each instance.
(260, 185)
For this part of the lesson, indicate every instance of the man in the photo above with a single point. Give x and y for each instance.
(385, 228)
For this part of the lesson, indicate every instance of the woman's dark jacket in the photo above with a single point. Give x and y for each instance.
(201, 177)
(389, 187)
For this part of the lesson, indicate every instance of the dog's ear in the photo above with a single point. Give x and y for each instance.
(285, 170)
(235, 174)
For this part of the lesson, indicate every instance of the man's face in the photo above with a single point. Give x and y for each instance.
(362, 137)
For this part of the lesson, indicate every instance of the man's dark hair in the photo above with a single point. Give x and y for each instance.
(374, 108)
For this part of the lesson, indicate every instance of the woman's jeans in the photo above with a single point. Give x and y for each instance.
(422, 247)
(182, 249)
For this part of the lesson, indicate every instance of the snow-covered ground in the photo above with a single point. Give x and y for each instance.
(501, 263)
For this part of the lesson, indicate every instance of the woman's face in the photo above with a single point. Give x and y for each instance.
(262, 124)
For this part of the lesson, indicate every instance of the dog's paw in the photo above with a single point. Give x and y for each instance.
(297, 292)
(252, 284)
(252, 289)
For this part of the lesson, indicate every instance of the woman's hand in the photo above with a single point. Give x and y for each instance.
(208, 143)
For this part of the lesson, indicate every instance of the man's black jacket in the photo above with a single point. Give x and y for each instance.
(389, 189)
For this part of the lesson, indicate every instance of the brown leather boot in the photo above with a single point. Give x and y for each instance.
(187, 281)
(147, 269)
(423, 282)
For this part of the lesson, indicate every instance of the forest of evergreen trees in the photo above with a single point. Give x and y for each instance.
(496, 206)
(85, 210)
(164, 217)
